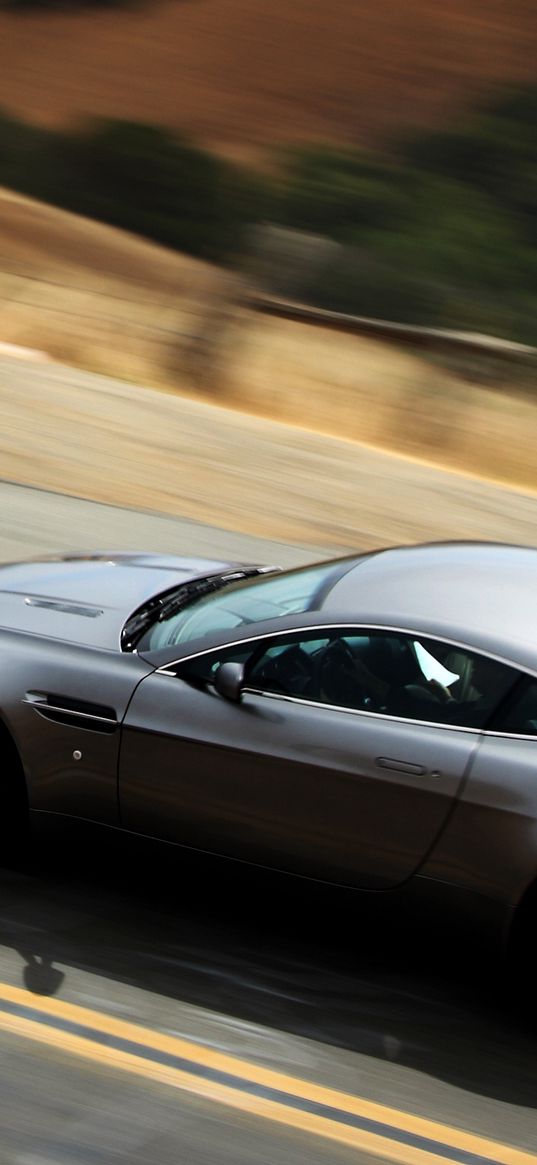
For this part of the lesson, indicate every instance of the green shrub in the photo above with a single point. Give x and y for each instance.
(135, 176)
(143, 179)
(340, 193)
(443, 234)
(495, 153)
(449, 228)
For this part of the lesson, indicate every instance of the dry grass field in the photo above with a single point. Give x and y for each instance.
(243, 75)
(96, 297)
(100, 299)
(244, 78)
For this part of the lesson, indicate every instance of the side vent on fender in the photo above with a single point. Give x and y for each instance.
(72, 712)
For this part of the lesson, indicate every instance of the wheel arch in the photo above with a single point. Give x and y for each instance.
(13, 773)
(524, 913)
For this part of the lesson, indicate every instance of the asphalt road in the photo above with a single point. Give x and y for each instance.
(290, 980)
(36, 522)
(295, 983)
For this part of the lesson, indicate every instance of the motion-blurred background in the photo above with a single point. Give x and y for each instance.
(377, 160)
(267, 272)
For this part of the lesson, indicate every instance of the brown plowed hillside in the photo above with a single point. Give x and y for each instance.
(239, 74)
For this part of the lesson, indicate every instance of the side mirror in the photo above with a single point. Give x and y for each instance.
(229, 681)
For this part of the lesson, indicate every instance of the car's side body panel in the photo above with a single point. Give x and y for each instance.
(367, 799)
(58, 700)
(338, 795)
(490, 844)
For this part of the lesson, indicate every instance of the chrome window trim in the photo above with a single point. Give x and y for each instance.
(509, 735)
(364, 627)
(388, 628)
(361, 711)
(234, 643)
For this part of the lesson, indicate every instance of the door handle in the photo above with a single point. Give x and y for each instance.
(400, 766)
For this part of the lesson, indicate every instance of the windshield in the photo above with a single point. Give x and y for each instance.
(246, 602)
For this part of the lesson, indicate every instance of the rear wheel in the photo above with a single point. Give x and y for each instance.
(520, 967)
(14, 816)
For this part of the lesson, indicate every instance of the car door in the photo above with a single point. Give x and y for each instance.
(307, 773)
(491, 843)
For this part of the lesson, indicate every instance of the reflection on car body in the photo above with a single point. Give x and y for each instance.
(368, 721)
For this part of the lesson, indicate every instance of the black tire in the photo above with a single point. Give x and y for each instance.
(519, 966)
(14, 814)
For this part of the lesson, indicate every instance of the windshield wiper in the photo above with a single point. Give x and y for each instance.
(191, 591)
(137, 624)
(159, 609)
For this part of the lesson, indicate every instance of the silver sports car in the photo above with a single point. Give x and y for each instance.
(369, 721)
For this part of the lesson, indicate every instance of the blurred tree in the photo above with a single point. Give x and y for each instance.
(340, 193)
(443, 233)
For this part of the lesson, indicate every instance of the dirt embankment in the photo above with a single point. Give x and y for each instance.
(103, 300)
(240, 75)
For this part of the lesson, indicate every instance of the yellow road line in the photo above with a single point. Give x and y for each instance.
(35, 1017)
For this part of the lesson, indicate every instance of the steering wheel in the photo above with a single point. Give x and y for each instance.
(288, 674)
(337, 678)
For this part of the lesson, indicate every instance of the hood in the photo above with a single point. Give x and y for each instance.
(87, 598)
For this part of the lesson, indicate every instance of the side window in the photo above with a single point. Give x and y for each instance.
(451, 686)
(200, 671)
(309, 666)
(344, 668)
(520, 716)
(289, 667)
(391, 673)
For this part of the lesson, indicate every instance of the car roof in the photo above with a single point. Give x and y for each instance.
(475, 592)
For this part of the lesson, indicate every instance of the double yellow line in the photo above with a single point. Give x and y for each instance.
(350, 1120)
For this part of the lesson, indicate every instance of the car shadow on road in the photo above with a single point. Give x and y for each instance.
(283, 953)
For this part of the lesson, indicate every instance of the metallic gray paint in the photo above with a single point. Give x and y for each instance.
(360, 798)
(478, 593)
(109, 586)
(288, 783)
